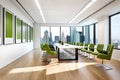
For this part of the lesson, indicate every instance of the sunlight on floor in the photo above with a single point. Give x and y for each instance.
(27, 69)
(53, 67)
(63, 67)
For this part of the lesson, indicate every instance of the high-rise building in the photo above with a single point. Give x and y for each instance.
(68, 38)
(56, 39)
(73, 34)
(46, 37)
(63, 37)
(50, 39)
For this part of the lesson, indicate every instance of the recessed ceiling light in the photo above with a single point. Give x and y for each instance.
(87, 6)
(40, 10)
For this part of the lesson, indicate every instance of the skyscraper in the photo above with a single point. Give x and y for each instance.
(68, 38)
(46, 38)
(56, 39)
(50, 39)
(73, 34)
(63, 37)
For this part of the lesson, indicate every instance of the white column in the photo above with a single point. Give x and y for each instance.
(37, 32)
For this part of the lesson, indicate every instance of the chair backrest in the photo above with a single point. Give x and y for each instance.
(77, 44)
(48, 50)
(86, 46)
(100, 47)
(43, 46)
(110, 50)
(91, 47)
(81, 44)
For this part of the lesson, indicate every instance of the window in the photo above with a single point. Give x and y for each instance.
(96, 30)
(91, 33)
(65, 34)
(54, 35)
(114, 30)
(18, 30)
(44, 35)
(87, 33)
(79, 34)
(8, 27)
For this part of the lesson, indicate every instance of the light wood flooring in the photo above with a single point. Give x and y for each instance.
(30, 67)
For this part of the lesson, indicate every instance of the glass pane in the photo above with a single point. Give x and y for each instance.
(91, 34)
(79, 34)
(65, 34)
(115, 27)
(18, 31)
(44, 35)
(96, 33)
(54, 35)
(73, 34)
(87, 34)
(9, 28)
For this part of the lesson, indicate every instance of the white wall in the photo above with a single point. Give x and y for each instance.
(9, 53)
(16, 10)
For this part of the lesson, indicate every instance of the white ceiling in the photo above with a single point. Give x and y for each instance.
(61, 11)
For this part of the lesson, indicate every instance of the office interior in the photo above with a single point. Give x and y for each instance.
(26, 24)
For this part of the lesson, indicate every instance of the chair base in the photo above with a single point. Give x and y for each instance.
(105, 66)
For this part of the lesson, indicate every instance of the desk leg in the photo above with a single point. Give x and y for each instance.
(76, 53)
(58, 49)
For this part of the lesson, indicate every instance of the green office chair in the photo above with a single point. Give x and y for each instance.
(84, 48)
(49, 51)
(106, 55)
(80, 44)
(98, 50)
(90, 49)
(43, 47)
(77, 44)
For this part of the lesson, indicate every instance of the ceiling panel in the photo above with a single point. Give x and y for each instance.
(93, 8)
(61, 11)
(32, 9)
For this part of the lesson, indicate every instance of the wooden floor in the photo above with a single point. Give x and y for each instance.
(29, 67)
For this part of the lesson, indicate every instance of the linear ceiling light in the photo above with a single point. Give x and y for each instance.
(40, 10)
(87, 6)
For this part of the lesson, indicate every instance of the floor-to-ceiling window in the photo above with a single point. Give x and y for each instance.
(79, 34)
(54, 35)
(45, 35)
(91, 33)
(115, 30)
(96, 33)
(65, 34)
(87, 34)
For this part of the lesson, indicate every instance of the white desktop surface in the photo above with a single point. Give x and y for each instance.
(66, 46)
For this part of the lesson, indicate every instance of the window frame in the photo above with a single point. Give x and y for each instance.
(110, 36)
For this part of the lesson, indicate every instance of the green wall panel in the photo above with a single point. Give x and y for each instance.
(9, 24)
